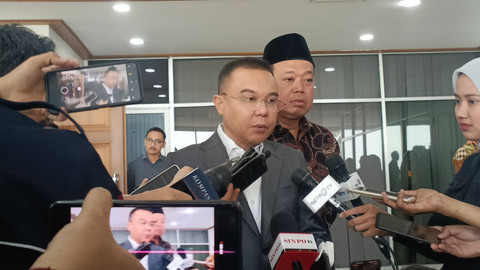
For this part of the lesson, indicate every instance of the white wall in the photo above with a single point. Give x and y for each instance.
(62, 48)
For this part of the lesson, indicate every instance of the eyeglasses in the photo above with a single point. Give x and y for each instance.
(272, 103)
(151, 141)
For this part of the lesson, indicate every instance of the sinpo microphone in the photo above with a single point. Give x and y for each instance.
(291, 249)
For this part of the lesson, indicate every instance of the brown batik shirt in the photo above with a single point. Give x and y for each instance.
(316, 143)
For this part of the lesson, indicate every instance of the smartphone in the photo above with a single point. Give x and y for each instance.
(377, 194)
(158, 181)
(407, 228)
(96, 86)
(201, 228)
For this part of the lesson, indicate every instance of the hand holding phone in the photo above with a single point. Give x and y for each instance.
(160, 180)
(93, 87)
(377, 194)
(219, 222)
(407, 228)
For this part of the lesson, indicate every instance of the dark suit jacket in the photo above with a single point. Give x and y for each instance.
(99, 89)
(279, 194)
(155, 261)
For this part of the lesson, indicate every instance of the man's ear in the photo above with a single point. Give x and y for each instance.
(219, 102)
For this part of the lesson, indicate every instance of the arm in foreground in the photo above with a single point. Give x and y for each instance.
(428, 200)
(365, 222)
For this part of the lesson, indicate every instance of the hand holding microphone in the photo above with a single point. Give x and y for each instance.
(362, 222)
(214, 182)
(324, 192)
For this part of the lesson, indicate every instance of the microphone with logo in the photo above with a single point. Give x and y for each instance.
(212, 183)
(305, 181)
(318, 193)
(291, 249)
(338, 170)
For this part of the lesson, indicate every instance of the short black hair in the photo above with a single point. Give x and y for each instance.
(157, 210)
(111, 68)
(18, 43)
(136, 209)
(156, 129)
(245, 62)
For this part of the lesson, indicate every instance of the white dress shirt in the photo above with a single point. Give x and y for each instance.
(109, 92)
(253, 192)
(144, 260)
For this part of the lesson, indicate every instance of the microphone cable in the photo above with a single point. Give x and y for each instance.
(386, 250)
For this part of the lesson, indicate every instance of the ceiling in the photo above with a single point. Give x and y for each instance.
(242, 27)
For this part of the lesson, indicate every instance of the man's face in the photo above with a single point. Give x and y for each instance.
(158, 224)
(111, 79)
(295, 87)
(154, 142)
(245, 126)
(140, 226)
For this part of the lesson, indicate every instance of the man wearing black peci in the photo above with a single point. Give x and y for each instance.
(248, 101)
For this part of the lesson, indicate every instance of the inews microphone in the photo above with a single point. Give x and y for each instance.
(338, 170)
(318, 193)
(291, 249)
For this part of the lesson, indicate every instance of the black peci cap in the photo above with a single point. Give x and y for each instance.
(156, 210)
(287, 47)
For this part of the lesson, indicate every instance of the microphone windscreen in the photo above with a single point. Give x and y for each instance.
(283, 222)
(336, 168)
(220, 177)
(267, 154)
(297, 176)
(181, 253)
(333, 161)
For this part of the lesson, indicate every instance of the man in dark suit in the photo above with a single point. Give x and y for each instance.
(248, 101)
(140, 225)
(107, 92)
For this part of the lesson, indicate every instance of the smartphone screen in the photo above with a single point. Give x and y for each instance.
(407, 228)
(196, 232)
(93, 87)
(159, 180)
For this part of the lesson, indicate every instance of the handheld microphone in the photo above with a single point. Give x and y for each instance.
(338, 170)
(318, 193)
(141, 251)
(291, 249)
(245, 170)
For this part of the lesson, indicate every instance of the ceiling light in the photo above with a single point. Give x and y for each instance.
(329, 69)
(174, 223)
(188, 211)
(409, 3)
(136, 41)
(162, 96)
(157, 86)
(121, 8)
(366, 37)
(150, 70)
